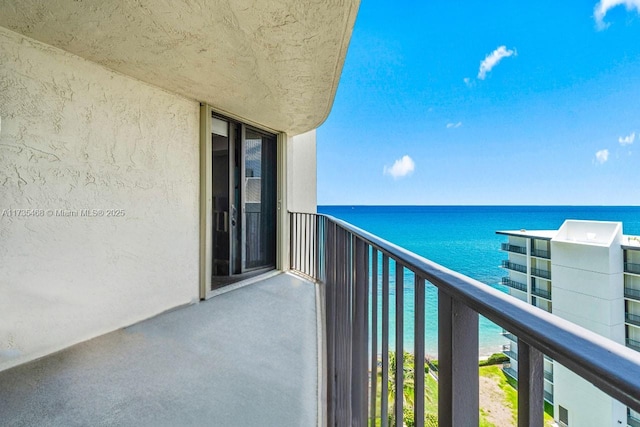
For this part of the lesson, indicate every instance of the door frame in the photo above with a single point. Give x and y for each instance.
(206, 196)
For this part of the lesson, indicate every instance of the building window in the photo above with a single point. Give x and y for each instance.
(564, 416)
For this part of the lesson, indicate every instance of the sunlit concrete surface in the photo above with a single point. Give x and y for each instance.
(244, 358)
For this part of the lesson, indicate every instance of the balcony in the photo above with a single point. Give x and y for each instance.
(548, 376)
(507, 369)
(247, 357)
(362, 276)
(541, 253)
(514, 248)
(545, 274)
(511, 354)
(513, 284)
(631, 343)
(633, 319)
(632, 420)
(508, 335)
(548, 396)
(515, 267)
(543, 293)
(630, 267)
(632, 293)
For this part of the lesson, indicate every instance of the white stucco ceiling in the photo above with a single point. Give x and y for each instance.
(276, 63)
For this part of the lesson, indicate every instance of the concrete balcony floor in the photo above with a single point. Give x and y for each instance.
(247, 357)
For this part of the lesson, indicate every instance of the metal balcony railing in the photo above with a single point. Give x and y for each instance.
(515, 267)
(548, 376)
(548, 396)
(632, 421)
(541, 292)
(513, 284)
(545, 274)
(634, 319)
(630, 267)
(514, 248)
(508, 335)
(632, 293)
(541, 253)
(507, 369)
(512, 354)
(357, 270)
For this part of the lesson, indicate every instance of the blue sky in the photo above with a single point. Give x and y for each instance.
(484, 103)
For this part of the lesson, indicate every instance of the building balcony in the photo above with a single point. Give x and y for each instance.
(541, 253)
(545, 274)
(514, 248)
(543, 293)
(363, 276)
(548, 376)
(513, 284)
(633, 344)
(508, 335)
(548, 396)
(247, 357)
(632, 293)
(633, 319)
(262, 354)
(632, 419)
(514, 266)
(630, 267)
(507, 369)
(511, 354)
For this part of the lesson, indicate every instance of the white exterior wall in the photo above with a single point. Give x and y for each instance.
(587, 405)
(586, 266)
(74, 135)
(301, 173)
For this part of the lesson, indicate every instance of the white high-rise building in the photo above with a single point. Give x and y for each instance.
(587, 272)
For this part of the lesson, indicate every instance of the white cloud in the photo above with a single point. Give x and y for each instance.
(401, 167)
(602, 156)
(468, 82)
(454, 125)
(493, 59)
(627, 140)
(603, 6)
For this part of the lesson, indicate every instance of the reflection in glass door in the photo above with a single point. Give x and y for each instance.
(259, 200)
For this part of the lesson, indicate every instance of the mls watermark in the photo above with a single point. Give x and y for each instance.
(63, 213)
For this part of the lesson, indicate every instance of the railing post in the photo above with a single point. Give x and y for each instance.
(374, 334)
(360, 337)
(418, 397)
(384, 393)
(330, 310)
(458, 375)
(399, 374)
(530, 386)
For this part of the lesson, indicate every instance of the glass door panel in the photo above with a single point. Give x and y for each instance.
(259, 200)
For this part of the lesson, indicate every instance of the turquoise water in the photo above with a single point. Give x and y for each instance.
(463, 238)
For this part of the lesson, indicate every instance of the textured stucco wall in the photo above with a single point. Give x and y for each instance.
(74, 135)
(263, 54)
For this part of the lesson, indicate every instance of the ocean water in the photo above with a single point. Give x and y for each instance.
(463, 238)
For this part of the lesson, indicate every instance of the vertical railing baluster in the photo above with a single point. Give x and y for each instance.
(291, 240)
(330, 310)
(418, 397)
(530, 385)
(399, 374)
(374, 335)
(458, 375)
(359, 364)
(384, 397)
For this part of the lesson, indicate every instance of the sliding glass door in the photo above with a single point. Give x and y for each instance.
(244, 180)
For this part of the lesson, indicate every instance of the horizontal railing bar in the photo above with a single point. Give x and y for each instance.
(579, 349)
